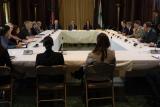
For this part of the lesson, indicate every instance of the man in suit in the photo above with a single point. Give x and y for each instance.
(49, 57)
(129, 28)
(87, 25)
(124, 29)
(150, 35)
(55, 26)
(26, 30)
(72, 26)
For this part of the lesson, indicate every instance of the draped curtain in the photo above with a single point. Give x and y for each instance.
(77, 10)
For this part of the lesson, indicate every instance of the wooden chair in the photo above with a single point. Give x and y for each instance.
(46, 82)
(6, 85)
(99, 76)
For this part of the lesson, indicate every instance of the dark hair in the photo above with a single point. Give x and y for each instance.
(14, 31)
(4, 30)
(48, 42)
(102, 45)
(148, 24)
(137, 22)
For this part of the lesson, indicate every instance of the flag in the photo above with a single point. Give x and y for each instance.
(52, 17)
(100, 22)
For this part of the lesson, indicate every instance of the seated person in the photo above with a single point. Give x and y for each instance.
(101, 53)
(34, 29)
(129, 28)
(137, 30)
(15, 34)
(72, 26)
(87, 25)
(49, 57)
(5, 38)
(13, 38)
(39, 23)
(25, 32)
(4, 57)
(55, 26)
(150, 35)
(124, 29)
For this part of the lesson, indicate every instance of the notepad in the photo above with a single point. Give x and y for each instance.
(27, 52)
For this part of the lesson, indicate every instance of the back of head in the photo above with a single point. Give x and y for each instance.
(103, 41)
(48, 42)
(102, 45)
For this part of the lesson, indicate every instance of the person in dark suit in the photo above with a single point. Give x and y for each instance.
(129, 28)
(55, 26)
(150, 35)
(34, 29)
(87, 25)
(49, 57)
(72, 26)
(124, 29)
(25, 32)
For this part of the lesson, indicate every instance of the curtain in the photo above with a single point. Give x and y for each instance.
(156, 5)
(77, 10)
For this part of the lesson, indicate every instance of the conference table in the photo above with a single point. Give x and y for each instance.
(126, 50)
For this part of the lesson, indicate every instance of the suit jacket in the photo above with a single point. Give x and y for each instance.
(5, 58)
(24, 33)
(53, 26)
(150, 36)
(35, 31)
(70, 27)
(49, 58)
(85, 27)
(129, 31)
(124, 30)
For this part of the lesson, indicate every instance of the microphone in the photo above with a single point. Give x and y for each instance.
(62, 45)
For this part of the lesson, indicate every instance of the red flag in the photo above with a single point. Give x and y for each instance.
(52, 17)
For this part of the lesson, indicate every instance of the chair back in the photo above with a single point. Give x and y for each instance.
(4, 71)
(50, 70)
(99, 72)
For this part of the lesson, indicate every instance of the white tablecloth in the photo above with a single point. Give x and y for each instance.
(139, 55)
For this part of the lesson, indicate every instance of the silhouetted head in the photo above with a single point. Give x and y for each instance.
(48, 42)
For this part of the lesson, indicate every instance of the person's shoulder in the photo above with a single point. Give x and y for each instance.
(40, 55)
(110, 51)
(58, 53)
